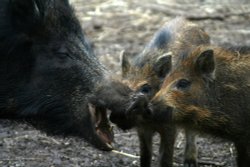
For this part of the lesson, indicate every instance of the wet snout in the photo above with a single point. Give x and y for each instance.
(161, 111)
(139, 105)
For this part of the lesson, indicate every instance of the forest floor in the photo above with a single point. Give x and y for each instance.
(113, 26)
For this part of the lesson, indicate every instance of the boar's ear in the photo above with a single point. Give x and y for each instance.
(26, 15)
(124, 63)
(163, 65)
(205, 63)
(66, 2)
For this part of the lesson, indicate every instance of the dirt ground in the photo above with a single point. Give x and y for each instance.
(113, 26)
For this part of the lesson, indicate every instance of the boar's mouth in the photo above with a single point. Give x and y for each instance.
(101, 125)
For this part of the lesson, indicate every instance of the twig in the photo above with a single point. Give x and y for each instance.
(39, 136)
(21, 159)
(125, 154)
(180, 10)
(203, 162)
(49, 139)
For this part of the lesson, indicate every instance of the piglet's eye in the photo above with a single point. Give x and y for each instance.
(145, 89)
(183, 84)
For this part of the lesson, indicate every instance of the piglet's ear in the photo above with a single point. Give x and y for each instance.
(163, 65)
(26, 15)
(205, 63)
(124, 63)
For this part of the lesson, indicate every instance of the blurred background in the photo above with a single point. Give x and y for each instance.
(113, 26)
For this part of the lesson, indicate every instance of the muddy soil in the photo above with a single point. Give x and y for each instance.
(113, 26)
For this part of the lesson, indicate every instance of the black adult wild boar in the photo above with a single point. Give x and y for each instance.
(48, 71)
(144, 74)
(209, 91)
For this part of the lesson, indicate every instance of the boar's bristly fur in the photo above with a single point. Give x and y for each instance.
(48, 70)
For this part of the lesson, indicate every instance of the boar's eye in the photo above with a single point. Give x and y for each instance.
(62, 55)
(145, 89)
(183, 84)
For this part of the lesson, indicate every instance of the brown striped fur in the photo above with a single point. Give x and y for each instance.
(217, 100)
(176, 38)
